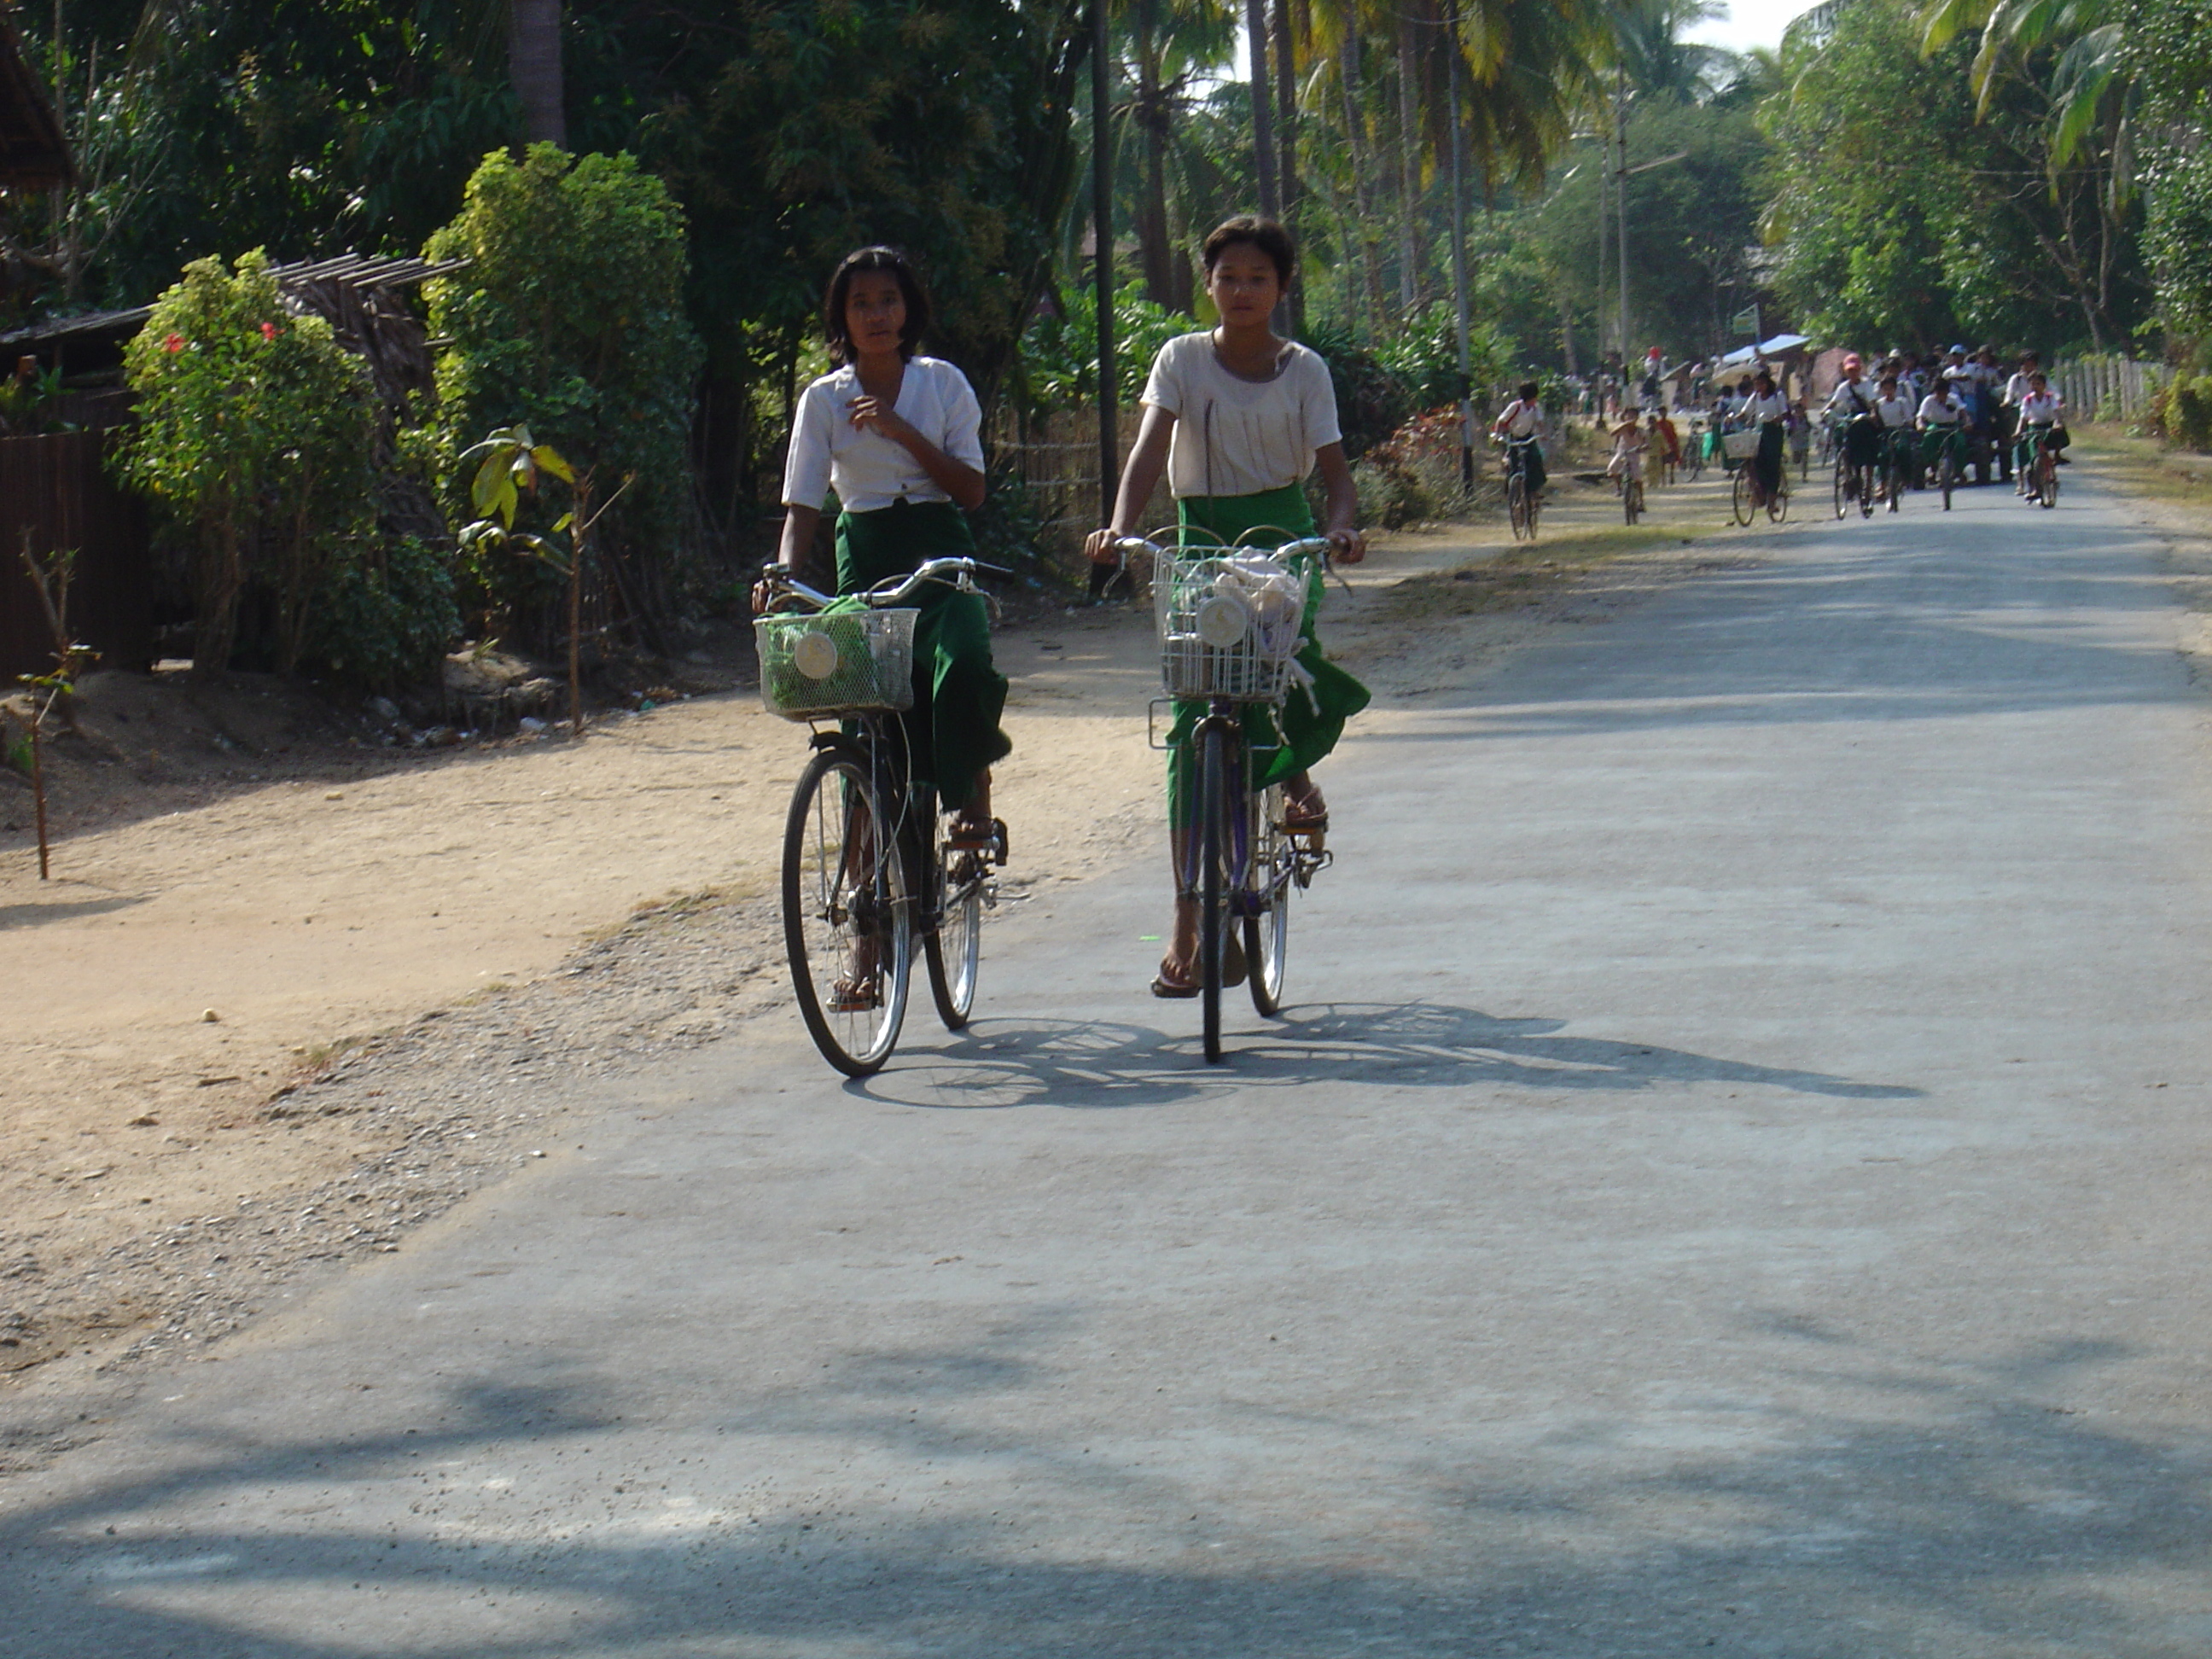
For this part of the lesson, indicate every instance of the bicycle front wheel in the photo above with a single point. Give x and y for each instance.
(1517, 506)
(1215, 839)
(1843, 490)
(1267, 932)
(847, 924)
(1949, 472)
(954, 949)
(1740, 497)
(2049, 466)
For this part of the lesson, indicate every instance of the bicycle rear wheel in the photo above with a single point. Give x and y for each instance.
(847, 926)
(1267, 934)
(954, 949)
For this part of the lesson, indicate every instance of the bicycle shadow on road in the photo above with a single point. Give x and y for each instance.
(1089, 1064)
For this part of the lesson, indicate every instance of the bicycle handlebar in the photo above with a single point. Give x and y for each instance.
(891, 591)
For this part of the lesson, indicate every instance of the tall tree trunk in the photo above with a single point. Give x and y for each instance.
(1409, 165)
(1263, 114)
(1152, 118)
(1355, 142)
(1286, 141)
(533, 64)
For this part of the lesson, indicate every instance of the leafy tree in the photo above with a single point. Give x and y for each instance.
(569, 318)
(1901, 216)
(252, 440)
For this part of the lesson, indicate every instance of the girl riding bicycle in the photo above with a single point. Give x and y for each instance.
(1765, 408)
(1522, 423)
(898, 436)
(1237, 417)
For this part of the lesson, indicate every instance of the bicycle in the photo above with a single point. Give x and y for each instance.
(2043, 468)
(1948, 461)
(1897, 465)
(1632, 497)
(1230, 627)
(1746, 509)
(865, 863)
(1523, 504)
(1692, 464)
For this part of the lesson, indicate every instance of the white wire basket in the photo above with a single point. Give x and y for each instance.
(835, 663)
(1229, 622)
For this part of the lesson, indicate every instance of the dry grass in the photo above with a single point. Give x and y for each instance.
(1521, 576)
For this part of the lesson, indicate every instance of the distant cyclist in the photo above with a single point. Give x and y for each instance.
(1893, 414)
(1765, 410)
(1851, 406)
(1522, 423)
(2041, 412)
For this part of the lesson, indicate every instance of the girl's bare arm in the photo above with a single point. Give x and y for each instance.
(1343, 525)
(1138, 478)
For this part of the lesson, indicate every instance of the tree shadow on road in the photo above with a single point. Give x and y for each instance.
(1856, 1503)
(1104, 1063)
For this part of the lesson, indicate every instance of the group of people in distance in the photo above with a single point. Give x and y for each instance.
(1235, 417)
(2016, 413)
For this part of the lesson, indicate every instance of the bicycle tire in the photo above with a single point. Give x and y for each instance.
(1740, 498)
(1535, 511)
(1516, 507)
(1843, 490)
(1631, 498)
(1213, 857)
(953, 949)
(1947, 471)
(833, 900)
(1777, 504)
(1267, 934)
(1866, 492)
(2049, 489)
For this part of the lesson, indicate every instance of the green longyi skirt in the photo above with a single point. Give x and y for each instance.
(952, 730)
(1285, 741)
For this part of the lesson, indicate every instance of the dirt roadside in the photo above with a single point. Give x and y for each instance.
(407, 961)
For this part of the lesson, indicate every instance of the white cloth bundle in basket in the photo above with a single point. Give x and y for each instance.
(1229, 623)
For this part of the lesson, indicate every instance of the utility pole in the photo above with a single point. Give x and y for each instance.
(1459, 262)
(1102, 265)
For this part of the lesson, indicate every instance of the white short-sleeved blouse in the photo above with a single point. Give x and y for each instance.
(1239, 437)
(867, 470)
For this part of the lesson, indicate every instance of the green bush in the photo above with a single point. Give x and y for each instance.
(1371, 401)
(2181, 412)
(254, 442)
(569, 320)
(387, 617)
(1060, 353)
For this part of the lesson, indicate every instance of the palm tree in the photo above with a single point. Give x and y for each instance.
(533, 58)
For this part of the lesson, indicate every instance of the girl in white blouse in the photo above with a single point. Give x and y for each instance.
(898, 436)
(2040, 411)
(1237, 417)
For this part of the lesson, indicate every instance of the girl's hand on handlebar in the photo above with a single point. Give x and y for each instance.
(1351, 545)
(1099, 547)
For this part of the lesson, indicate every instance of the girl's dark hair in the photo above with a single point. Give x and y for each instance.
(840, 285)
(1765, 375)
(1270, 238)
(1527, 391)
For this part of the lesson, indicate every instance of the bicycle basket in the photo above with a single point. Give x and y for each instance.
(1229, 622)
(1740, 445)
(837, 662)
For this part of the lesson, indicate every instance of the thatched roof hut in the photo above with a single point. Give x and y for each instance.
(33, 154)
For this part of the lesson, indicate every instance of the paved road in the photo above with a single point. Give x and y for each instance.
(1736, 1182)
